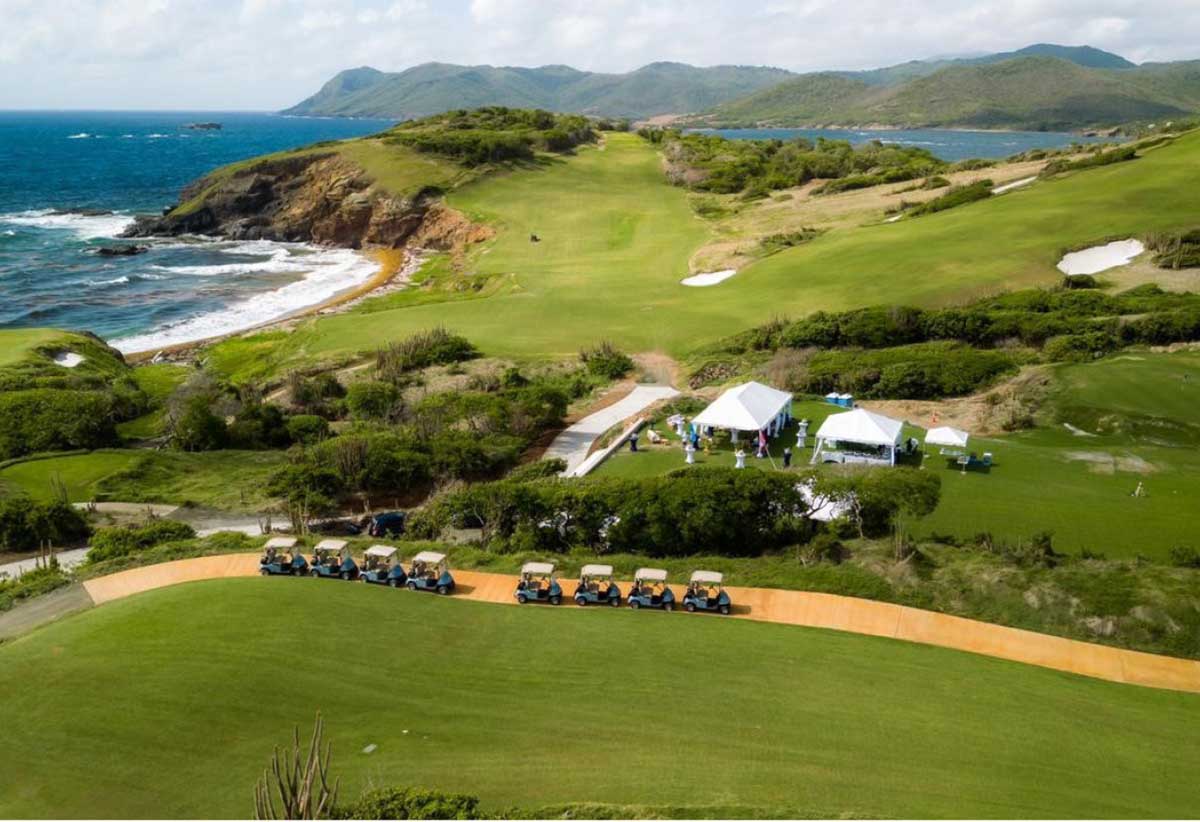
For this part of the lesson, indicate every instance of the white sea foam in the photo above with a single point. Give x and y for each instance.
(114, 281)
(83, 135)
(85, 226)
(279, 261)
(10, 233)
(156, 136)
(328, 272)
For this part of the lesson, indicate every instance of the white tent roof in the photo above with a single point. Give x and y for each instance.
(953, 437)
(713, 577)
(596, 571)
(330, 545)
(861, 426)
(747, 407)
(537, 568)
(280, 542)
(651, 575)
(381, 551)
(429, 557)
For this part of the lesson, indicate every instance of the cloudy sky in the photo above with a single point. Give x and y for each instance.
(267, 54)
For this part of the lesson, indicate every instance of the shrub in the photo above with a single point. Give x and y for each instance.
(411, 803)
(118, 542)
(259, 426)
(307, 428)
(1185, 556)
(1102, 158)
(437, 346)
(48, 419)
(606, 360)
(373, 400)
(198, 428)
(538, 470)
(956, 196)
(26, 524)
(32, 583)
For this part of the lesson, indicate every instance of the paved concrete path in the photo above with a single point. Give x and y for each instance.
(574, 443)
(67, 559)
(30, 614)
(839, 613)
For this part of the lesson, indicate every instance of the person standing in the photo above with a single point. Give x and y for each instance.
(633, 441)
(787, 457)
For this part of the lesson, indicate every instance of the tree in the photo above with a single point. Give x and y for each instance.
(199, 429)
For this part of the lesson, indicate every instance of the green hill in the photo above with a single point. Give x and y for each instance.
(658, 88)
(1027, 92)
(529, 707)
(1080, 55)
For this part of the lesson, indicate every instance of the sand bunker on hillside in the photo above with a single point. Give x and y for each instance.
(67, 359)
(711, 278)
(1100, 258)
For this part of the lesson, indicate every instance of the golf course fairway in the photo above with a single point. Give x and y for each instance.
(169, 703)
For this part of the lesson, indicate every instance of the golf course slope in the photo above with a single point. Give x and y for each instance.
(168, 704)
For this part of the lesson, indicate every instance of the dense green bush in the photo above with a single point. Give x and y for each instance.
(373, 400)
(258, 426)
(718, 511)
(1176, 249)
(109, 543)
(437, 346)
(307, 429)
(26, 524)
(956, 196)
(1101, 158)
(48, 419)
(541, 469)
(915, 372)
(32, 583)
(492, 134)
(411, 803)
(1185, 556)
(198, 428)
(606, 360)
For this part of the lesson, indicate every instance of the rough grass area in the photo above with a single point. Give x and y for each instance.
(226, 480)
(537, 706)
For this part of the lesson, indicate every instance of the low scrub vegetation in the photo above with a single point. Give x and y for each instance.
(26, 525)
(110, 543)
(493, 134)
(1096, 160)
(606, 360)
(956, 196)
(1175, 250)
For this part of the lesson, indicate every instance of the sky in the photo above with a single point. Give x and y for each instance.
(224, 55)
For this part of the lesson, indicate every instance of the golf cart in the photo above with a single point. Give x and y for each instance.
(381, 566)
(596, 586)
(331, 558)
(705, 593)
(280, 558)
(429, 572)
(537, 584)
(650, 590)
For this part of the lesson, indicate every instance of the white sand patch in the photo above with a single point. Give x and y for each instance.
(68, 359)
(1079, 432)
(1014, 184)
(1100, 258)
(709, 278)
(893, 219)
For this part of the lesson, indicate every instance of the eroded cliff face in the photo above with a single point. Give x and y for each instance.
(317, 198)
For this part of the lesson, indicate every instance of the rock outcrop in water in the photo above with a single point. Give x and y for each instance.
(318, 198)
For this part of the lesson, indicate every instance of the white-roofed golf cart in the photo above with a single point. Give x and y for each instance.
(650, 590)
(332, 559)
(430, 572)
(706, 592)
(596, 586)
(381, 566)
(280, 558)
(538, 584)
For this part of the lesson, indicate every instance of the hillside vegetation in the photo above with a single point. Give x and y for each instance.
(816, 711)
(432, 88)
(1026, 92)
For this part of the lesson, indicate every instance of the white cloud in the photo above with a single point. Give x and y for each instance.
(263, 54)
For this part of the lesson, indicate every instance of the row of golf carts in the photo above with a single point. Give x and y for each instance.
(705, 591)
(381, 565)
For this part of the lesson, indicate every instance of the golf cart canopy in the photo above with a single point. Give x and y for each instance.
(546, 568)
(381, 551)
(651, 575)
(596, 571)
(429, 557)
(333, 546)
(281, 543)
(708, 577)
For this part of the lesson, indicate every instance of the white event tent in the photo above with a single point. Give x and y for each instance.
(751, 406)
(858, 436)
(949, 439)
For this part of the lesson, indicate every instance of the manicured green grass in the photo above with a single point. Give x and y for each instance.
(17, 343)
(157, 381)
(80, 473)
(616, 239)
(168, 704)
(226, 480)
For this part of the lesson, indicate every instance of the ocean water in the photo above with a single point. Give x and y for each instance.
(950, 146)
(71, 181)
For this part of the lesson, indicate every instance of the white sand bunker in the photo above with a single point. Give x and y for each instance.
(1015, 184)
(711, 278)
(67, 359)
(1100, 258)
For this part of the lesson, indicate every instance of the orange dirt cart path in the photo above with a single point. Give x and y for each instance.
(860, 616)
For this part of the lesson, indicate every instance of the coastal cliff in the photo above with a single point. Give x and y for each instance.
(320, 198)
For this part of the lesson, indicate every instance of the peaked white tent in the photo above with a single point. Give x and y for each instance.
(751, 406)
(858, 436)
(947, 437)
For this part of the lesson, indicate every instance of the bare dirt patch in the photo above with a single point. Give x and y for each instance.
(998, 410)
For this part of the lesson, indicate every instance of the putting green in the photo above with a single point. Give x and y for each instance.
(168, 704)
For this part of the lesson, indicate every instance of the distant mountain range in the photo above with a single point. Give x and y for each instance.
(1043, 86)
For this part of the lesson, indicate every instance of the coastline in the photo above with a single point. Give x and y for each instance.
(396, 267)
